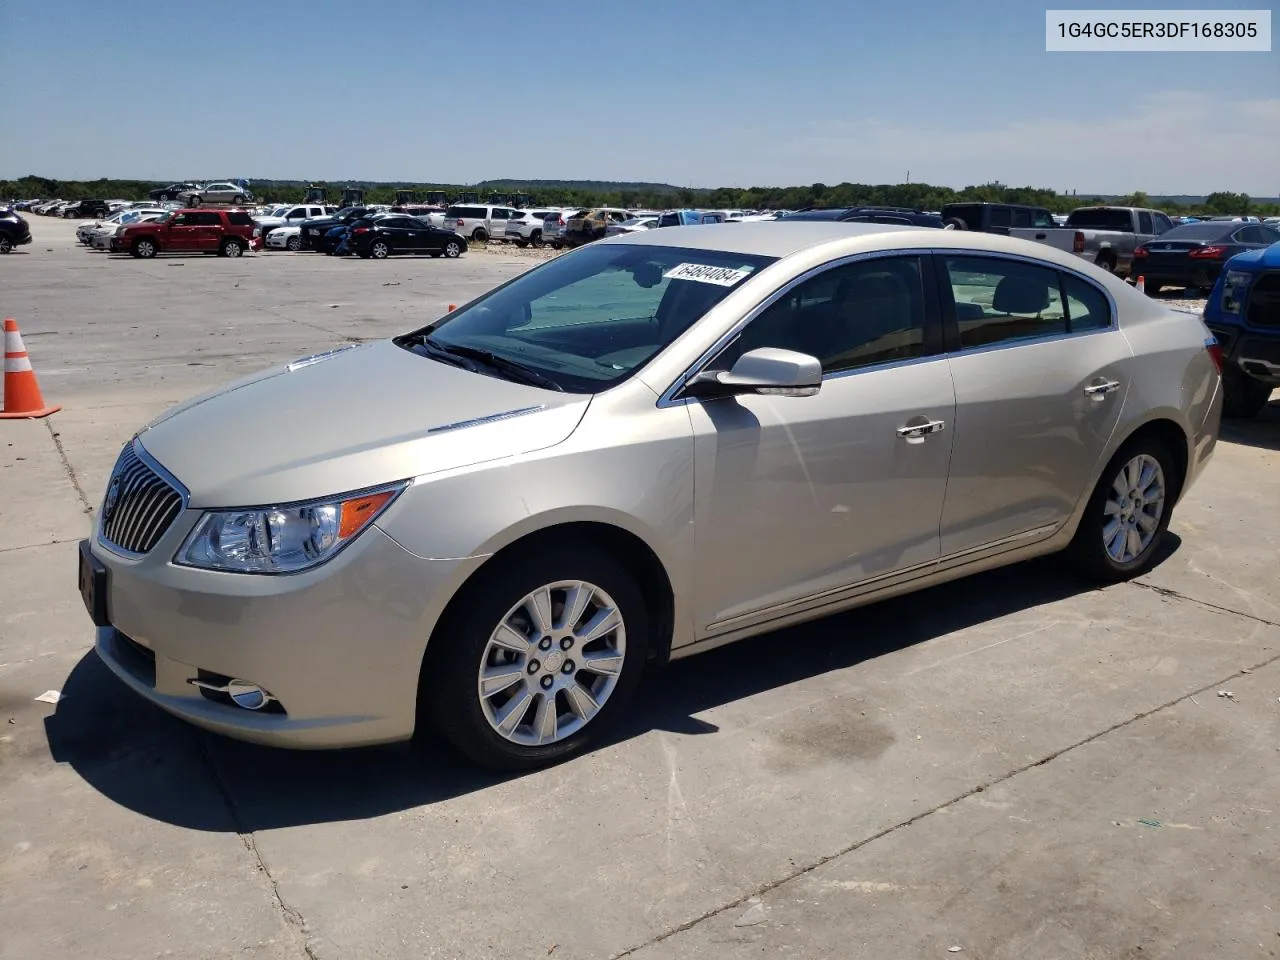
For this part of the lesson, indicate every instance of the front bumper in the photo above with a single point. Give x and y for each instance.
(340, 647)
(1255, 351)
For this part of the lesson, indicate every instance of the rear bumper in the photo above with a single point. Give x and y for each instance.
(1179, 274)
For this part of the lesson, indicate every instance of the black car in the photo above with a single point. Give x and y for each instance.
(14, 231)
(996, 217)
(174, 191)
(396, 233)
(87, 210)
(312, 233)
(1192, 254)
(902, 216)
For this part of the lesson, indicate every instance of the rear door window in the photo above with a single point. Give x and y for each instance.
(999, 301)
(1144, 222)
(1022, 218)
(999, 217)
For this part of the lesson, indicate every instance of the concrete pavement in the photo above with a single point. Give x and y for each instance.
(969, 767)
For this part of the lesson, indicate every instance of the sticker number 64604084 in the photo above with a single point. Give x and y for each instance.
(703, 273)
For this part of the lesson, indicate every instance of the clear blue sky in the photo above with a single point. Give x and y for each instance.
(696, 94)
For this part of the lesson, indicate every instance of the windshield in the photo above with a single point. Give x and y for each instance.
(588, 321)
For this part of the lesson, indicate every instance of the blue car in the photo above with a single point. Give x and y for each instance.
(1243, 312)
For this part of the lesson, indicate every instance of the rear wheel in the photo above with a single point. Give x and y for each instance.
(537, 657)
(1128, 513)
(1242, 396)
(535, 238)
(481, 235)
(6, 245)
(230, 248)
(379, 249)
(238, 198)
(1106, 262)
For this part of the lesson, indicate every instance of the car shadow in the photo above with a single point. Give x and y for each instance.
(1261, 431)
(165, 769)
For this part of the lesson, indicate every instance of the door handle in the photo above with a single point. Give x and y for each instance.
(916, 432)
(1097, 391)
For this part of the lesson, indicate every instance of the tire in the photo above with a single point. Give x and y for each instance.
(452, 249)
(144, 249)
(535, 239)
(1243, 397)
(230, 248)
(379, 249)
(481, 235)
(193, 201)
(557, 244)
(522, 244)
(449, 688)
(957, 223)
(1106, 262)
(293, 244)
(165, 198)
(238, 198)
(1117, 561)
(6, 245)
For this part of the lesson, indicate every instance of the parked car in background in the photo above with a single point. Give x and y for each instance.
(1193, 254)
(996, 217)
(219, 192)
(1243, 312)
(478, 222)
(292, 216)
(85, 208)
(284, 238)
(393, 233)
(228, 233)
(312, 230)
(631, 225)
(14, 230)
(174, 191)
(689, 218)
(1106, 236)
(591, 225)
(526, 227)
(1006, 401)
(554, 224)
(85, 232)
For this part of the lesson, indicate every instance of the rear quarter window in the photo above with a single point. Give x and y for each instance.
(240, 219)
(1087, 307)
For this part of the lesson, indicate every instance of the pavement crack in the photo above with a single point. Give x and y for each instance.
(294, 921)
(1175, 595)
(34, 546)
(808, 868)
(66, 465)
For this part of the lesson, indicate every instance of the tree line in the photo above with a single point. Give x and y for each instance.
(922, 196)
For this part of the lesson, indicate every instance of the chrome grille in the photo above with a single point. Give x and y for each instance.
(139, 506)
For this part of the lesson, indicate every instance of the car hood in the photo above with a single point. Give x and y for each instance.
(1263, 258)
(353, 418)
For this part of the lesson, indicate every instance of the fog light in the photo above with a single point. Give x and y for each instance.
(242, 693)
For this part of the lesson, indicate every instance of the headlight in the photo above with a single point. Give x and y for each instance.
(1233, 288)
(282, 539)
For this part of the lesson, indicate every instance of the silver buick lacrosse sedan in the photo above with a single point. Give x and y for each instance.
(648, 447)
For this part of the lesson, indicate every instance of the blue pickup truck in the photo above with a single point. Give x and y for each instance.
(1243, 312)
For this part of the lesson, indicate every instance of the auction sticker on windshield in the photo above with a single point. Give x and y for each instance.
(702, 273)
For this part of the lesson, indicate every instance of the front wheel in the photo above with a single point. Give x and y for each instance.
(6, 245)
(1128, 513)
(453, 249)
(238, 198)
(144, 249)
(535, 238)
(538, 657)
(294, 244)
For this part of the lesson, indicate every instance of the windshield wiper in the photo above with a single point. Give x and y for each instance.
(513, 369)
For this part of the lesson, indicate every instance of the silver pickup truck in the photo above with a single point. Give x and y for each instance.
(1106, 236)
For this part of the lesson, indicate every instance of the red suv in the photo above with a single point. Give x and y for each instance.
(228, 233)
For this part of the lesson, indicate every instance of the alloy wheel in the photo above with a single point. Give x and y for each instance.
(551, 663)
(1134, 506)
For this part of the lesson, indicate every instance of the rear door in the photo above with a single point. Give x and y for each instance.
(1040, 371)
(498, 217)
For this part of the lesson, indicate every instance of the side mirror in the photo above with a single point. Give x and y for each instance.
(766, 371)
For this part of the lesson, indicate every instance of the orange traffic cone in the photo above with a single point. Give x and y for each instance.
(1141, 285)
(21, 391)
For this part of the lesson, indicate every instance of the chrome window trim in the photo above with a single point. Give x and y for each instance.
(669, 396)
